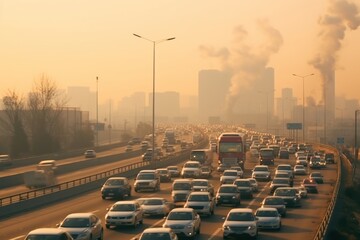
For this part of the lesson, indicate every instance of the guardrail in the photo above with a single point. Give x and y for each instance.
(29, 200)
(322, 229)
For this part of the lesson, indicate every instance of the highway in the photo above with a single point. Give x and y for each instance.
(300, 223)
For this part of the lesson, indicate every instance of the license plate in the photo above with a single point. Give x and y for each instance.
(111, 194)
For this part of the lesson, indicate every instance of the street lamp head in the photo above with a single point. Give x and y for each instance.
(169, 39)
(137, 35)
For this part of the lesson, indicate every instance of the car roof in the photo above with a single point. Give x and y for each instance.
(183, 180)
(157, 230)
(242, 180)
(182, 210)
(227, 185)
(241, 210)
(199, 193)
(74, 215)
(266, 209)
(126, 202)
(47, 231)
(118, 178)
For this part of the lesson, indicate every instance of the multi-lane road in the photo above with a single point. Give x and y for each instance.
(300, 223)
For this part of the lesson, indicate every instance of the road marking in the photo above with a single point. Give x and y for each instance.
(251, 203)
(19, 237)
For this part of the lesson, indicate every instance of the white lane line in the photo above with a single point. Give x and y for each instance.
(19, 237)
(251, 203)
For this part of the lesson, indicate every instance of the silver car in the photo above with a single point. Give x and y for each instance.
(48, 233)
(184, 222)
(201, 202)
(268, 218)
(240, 222)
(83, 226)
(156, 206)
(124, 213)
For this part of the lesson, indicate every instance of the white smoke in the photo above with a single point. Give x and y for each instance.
(341, 14)
(246, 64)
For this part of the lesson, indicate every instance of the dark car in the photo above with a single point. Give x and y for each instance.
(279, 182)
(310, 185)
(284, 154)
(165, 175)
(228, 194)
(329, 158)
(290, 196)
(116, 187)
(275, 202)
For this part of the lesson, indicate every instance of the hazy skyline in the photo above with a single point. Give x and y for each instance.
(72, 42)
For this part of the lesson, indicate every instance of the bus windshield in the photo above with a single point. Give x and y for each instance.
(230, 147)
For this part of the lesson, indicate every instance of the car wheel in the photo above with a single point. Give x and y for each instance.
(135, 223)
(279, 227)
(101, 237)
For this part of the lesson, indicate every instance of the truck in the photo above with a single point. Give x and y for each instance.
(204, 156)
(231, 149)
(170, 136)
(39, 178)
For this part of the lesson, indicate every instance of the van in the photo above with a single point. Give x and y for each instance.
(46, 165)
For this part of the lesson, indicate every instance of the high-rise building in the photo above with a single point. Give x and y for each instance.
(213, 89)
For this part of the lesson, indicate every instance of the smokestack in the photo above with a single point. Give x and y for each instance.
(340, 15)
(245, 64)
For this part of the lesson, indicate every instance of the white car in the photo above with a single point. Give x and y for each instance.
(229, 176)
(285, 167)
(48, 233)
(201, 202)
(203, 185)
(191, 169)
(157, 233)
(174, 171)
(240, 222)
(261, 172)
(124, 213)
(254, 184)
(300, 170)
(156, 206)
(268, 218)
(183, 221)
(85, 226)
(239, 170)
(90, 153)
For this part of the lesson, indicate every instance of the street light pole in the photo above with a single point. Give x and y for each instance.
(303, 110)
(355, 145)
(153, 89)
(97, 111)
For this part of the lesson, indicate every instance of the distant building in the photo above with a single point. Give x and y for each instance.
(213, 89)
(83, 98)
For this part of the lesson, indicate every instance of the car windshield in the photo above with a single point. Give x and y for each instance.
(285, 168)
(146, 176)
(316, 175)
(280, 181)
(273, 201)
(233, 174)
(200, 183)
(180, 216)
(285, 192)
(261, 169)
(76, 223)
(182, 186)
(227, 189)
(191, 165)
(173, 168)
(267, 153)
(242, 183)
(157, 236)
(123, 208)
(153, 202)
(46, 237)
(198, 198)
(266, 213)
(163, 171)
(114, 182)
(240, 216)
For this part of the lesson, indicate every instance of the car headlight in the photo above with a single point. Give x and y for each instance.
(152, 183)
(252, 227)
(233, 197)
(226, 227)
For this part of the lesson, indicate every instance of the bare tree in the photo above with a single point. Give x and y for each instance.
(45, 105)
(14, 110)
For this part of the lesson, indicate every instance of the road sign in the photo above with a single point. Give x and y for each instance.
(340, 140)
(291, 126)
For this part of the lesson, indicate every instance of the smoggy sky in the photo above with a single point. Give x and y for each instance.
(73, 41)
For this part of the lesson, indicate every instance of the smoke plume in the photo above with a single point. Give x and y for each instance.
(246, 64)
(341, 14)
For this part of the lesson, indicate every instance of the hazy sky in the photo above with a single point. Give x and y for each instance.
(73, 41)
